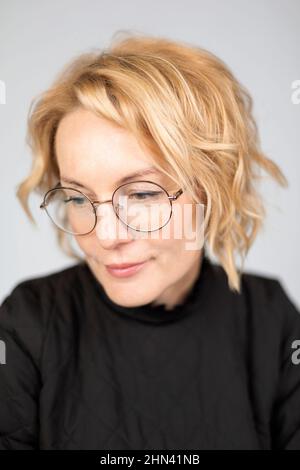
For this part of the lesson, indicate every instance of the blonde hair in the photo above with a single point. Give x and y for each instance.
(185, 105)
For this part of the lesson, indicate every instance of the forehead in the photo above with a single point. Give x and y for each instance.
(89, 148)
(89, 142)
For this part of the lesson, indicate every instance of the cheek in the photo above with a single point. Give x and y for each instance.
(87, 244)
(170, 246)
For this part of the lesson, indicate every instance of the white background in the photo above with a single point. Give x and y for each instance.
(259, 41)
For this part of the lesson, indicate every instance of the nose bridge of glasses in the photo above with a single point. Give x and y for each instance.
(111, 226)
(96, 204)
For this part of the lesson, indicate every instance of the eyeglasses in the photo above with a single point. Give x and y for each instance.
(141, 205)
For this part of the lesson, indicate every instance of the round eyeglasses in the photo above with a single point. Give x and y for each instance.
(141, 205)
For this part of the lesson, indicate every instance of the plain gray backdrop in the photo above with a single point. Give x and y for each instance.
(258, 40)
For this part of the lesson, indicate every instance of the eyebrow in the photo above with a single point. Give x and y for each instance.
(125, 179)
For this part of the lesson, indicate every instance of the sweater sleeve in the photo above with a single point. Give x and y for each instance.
(285, 423)
(21, 338)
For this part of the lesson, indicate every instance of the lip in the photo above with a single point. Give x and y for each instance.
(123, 265)
(125, 270)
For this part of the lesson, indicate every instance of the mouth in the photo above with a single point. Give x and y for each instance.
(125, 269)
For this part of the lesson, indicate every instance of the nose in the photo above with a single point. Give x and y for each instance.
(110, 230)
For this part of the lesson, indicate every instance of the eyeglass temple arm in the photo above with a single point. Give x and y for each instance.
(43, 205)
(176, 195)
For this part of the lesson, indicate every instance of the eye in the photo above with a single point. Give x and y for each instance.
(145, 195)
(76, 200)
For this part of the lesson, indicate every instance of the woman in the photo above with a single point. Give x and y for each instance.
(145, 343)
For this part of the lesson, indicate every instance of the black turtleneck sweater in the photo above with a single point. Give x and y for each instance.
(81, 372)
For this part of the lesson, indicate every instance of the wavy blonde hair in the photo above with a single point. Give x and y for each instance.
(186, 106)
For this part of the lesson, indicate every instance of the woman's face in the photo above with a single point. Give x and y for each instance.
(96, 154)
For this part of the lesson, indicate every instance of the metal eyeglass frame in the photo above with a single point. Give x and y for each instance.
(95, 204)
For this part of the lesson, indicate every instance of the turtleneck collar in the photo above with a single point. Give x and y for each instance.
(157, 313)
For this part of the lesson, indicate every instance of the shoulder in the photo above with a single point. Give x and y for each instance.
(47, 281)
(26, 311)
(270, 319)
(42, 290)
(273, 333)
(273, 314)
(264, 295)
(263, 306)
(269, 297)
